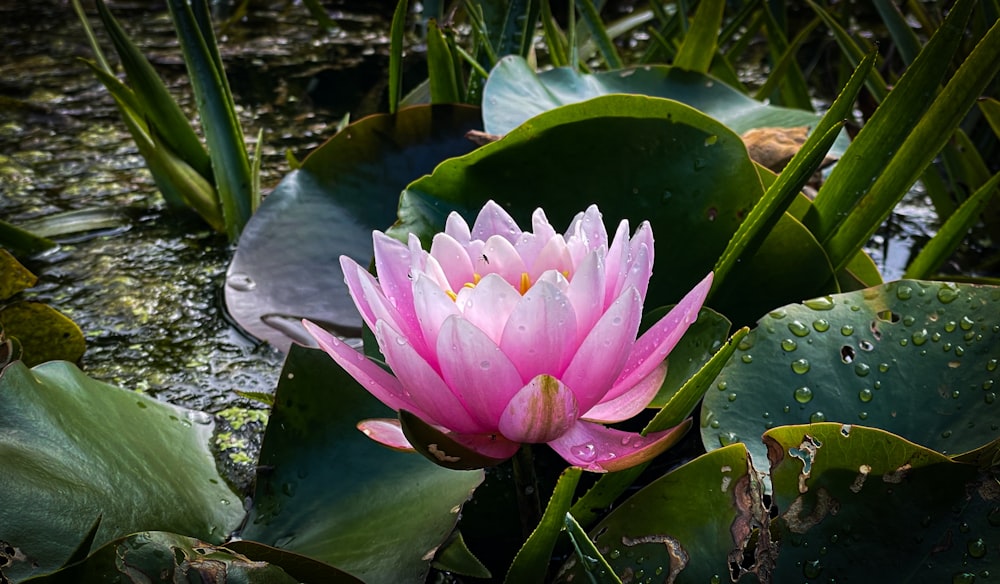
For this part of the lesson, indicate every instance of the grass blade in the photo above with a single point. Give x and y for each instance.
(920, 147)
(396, 56)
(700, 42)
(555, 40)
(592, 561)
(599, 34)
(951, 234)
(440, 67)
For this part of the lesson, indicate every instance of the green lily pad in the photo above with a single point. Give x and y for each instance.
(73, 449)
(859, 504)
(286, 265)
(514, 93)
(167, 557)
(13, 276)
(329, 492)
(918, 359)
(45, 334)
(638, 158)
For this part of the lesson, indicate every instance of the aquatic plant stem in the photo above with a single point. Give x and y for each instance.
(526, 485)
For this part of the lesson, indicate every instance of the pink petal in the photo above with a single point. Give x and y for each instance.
(615, 262)
(423, 386)
(475, 367)
(377, 381)
(386, 432)
(541, 411)
(586, 292)
(353, 275)
(374, 306)
(589, 227)
(602, 354)
(500, 257)
(494, 220)
(599, 449)
(640, 268)
(453, 258)
(654, 345)
(421, 262)
(553, 256)
(432, 306)
(629, 403)
(392, 264)
(540, 333)
(488, 305)
(541, 226)
(456, 227)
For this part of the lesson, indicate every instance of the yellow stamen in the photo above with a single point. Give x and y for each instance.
(451, 295)
(525, 283)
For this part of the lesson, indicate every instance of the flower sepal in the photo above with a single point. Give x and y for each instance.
(456, 452)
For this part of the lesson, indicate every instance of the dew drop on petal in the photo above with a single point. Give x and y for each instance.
(585, 452)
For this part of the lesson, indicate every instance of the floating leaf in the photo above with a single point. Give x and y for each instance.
(331, 493)
(13, 276)
(915, 358)
(45, 334)
(74, 449)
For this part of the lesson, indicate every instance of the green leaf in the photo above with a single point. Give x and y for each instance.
(532, 561)
(302, 568)
(854, 502)
(74, 449)
(155, 556)
(514, 93)
(594, 565)
(703, 338)
(21, 240)
(687, 526)
(219, 122)
(396, 32)
(440, 67)
(328, 487)
(881, 137)
(700, 42)
(286, 265)
(952, 233)
(456, 557)
(45, 334)
(14, 277)
(991, 111)
(915, 358)
(591, 15)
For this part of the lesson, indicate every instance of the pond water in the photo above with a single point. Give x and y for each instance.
(145, 287)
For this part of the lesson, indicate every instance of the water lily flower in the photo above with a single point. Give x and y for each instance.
(499, 337)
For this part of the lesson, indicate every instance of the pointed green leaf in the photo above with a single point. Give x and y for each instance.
(700, 42)
(532, 561)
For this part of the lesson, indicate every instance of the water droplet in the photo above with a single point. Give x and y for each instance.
(715, 424)
(990, 397)
(936, 337)
(812, 569)
(963, 578)
(988, 384)
(803, 395)
(777, 314)
(821, 303)
(711, 140)
(919, 337)
(966, 323)
(955, 394)
(745, 344)
(862, 370)
(722, 386)
(950, 326)
(585, 452)
(700, 163)
(976, 548)
(847, 330)
(484, 364)
(800, 366)
(821, 325)
(904, 292)
(798, 329)
(786, 409)
(877, 385)
(946, 347)
(747, 358)
(948, 292)
(862, 415)
(865, 395)
(241, 282)
(991, 365)
(617, 321)
(788, 345)
(615, 554)
(817, 417)
(909, 320)
(883, 367)
(714, 579)
(946, 434)
(904, 342)
(727, 439)
(731, 397)
(401, 341)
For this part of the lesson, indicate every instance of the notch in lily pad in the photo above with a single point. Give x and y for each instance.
(440, 448)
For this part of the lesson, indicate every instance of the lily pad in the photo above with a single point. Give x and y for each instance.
(44, 333)
(638, 158)
(916, 358)
(286, 265)
(514, 93)
(331, 493)
(75, 449)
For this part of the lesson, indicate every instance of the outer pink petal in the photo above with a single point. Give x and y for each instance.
(492, 445)
(640, 268)
(386, 432)
(374, 306)
(494, 220)
(500, 257)
(630, 402)
(423, 385)
(541, 411)
(453, 258)
(599, 449)
(386, 388)
(586, 292)
(353, 274)
(489, 305)
(475, 367)
(654, 345)
(540, 334)
(601, 356)
(392, 264)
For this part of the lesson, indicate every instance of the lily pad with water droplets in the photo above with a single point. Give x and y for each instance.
(916, 358)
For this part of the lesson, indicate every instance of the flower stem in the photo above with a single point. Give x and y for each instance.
(526, 485)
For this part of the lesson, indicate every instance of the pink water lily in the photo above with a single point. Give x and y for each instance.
(498, 336)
